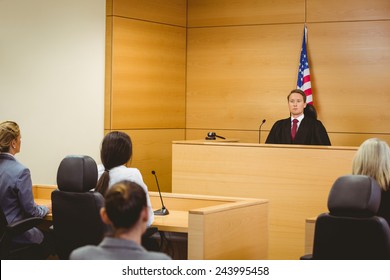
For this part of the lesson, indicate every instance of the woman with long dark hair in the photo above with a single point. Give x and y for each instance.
(115, 153)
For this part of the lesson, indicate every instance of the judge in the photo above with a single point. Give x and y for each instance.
(298, 128)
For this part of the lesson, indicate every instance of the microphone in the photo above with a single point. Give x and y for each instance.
(163, 211)
(262, 122)
(213, 136)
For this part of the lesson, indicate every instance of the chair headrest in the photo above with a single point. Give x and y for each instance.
(354, 196)
(77, 173)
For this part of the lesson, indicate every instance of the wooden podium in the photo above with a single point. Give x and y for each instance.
(295, 179)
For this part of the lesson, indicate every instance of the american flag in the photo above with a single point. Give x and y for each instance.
(303, 82)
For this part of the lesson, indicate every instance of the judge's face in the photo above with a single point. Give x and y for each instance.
(296, 104)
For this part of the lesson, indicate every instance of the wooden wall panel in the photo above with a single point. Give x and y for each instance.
(108, 71)
(242, 59)
(239, 135)
(350, 65)
(232, 84)
(145, 80)
(109, 4)
(148, 75)
(238, 76)
(208, 238)
(152, 150)
(337, 139)
(169, 12)
(347, 10)
(244, 12)
(355, 139)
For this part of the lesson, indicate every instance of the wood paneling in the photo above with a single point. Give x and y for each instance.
(295, 179)
(174, 201)
(145, 80)
(109, 4)
(239, 75)
(239, 233)
(337, 139)
(244, 12)
(169, 12)
(108, 71)
(350, 65)
(148, 75)
(242, 60)
(239, 135)
(152, 150)
(43, 191)
(347, 10)
(309, 234)
(348, 139)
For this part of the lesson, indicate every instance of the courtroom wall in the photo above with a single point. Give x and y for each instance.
(177, 69)
(145, 80)
(243, 58)
(52, 79)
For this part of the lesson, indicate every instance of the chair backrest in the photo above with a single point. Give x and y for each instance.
(310, 111)
(351, 229)
(3, 221)
(76, 218)
(4, 240)
(8, 250)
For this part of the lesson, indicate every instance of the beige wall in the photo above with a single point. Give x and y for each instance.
(52, 79)
(182, 68)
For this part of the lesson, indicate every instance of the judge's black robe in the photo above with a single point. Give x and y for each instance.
(310, 132)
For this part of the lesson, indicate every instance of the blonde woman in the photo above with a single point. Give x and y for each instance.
(16, 198)
(373, 159)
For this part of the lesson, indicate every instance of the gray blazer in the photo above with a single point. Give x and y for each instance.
(112, 248)
(16, 198)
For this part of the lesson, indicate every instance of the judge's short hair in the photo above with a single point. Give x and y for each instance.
(297, 90)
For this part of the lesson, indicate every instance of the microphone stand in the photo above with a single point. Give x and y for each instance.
(163, 211)
(263, 121)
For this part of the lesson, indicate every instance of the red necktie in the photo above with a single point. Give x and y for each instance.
(294, 129)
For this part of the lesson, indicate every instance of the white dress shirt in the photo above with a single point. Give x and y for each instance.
(300, 118)
(121, 173)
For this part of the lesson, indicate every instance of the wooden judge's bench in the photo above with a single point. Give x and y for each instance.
(295, 179)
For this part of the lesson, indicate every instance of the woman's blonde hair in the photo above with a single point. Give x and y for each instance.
(373, 159)
(9, 131)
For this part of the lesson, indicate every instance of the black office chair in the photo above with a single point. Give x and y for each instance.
(351, 230)
(310, 111)
(12, 251)
(76, 217)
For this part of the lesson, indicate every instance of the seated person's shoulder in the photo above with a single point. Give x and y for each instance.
(159, 256)
(313, 121)
(281, 122)
(85, 253)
